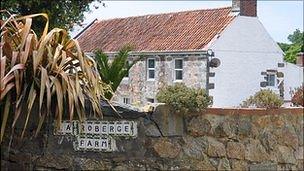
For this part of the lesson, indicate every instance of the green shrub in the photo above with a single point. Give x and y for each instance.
(297, 98)
(263, 99)
(183, 98)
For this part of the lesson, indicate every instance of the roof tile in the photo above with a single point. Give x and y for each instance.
(188, 30)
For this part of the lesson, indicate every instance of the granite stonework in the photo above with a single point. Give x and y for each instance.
(232, 139)
(139, 89)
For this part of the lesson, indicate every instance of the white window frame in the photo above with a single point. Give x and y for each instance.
(126, 100)
(151, 69)
(178, 69)
(275, 79)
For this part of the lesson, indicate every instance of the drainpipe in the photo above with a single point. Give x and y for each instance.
(210, 54)
(207, 75)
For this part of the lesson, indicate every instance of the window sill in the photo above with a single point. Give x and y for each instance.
(272, 86)
(178, 81)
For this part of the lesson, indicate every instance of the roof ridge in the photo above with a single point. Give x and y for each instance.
(165, 13)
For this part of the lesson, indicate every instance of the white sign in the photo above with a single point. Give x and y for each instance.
(97, 135)
(117, 128)
(91, 143)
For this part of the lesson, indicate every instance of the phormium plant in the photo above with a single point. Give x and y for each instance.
(50, 71)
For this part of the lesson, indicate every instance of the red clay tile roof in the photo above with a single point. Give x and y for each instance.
(188, 30)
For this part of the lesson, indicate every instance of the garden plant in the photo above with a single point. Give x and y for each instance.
(184, 99)
(113, 71)
(49, 71)
(298, 98)
(263, 99)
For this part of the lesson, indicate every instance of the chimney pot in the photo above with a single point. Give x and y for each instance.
(300, 59)
(235, 5)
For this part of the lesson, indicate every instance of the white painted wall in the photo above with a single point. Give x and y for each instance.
(293, 78)
(245, 50)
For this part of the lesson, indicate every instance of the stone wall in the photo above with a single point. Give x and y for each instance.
(216, 139)
(138, 88)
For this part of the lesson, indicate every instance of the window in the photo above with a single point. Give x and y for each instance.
(270, 79)
(127, 76)
(178, 69)
(126, 100)
(151, 69)
(150, 100)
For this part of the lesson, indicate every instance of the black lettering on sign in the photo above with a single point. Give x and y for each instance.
(111, 128)
(104, 144)
(118, 128)
(104, 128)
(127, 128)
(96, 128)
(81, 143)
(68, 128)
(96, 143)
(82, 127)
(89, 143)
(89, 128)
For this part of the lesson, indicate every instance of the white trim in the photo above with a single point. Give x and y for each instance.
(125, 79)
(177, 81)
(126, 100)
(175, 69)
(151, 69)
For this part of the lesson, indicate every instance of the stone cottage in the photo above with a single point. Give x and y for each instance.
(174, 46)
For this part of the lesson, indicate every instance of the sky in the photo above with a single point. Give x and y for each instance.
(280, 18)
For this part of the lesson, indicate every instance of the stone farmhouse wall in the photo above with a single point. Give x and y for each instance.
(216, 139)
(138, 88)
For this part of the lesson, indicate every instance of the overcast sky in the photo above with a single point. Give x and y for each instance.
(280, 18)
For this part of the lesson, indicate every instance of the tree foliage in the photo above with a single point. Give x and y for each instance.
(62, 13)
(113, 71)
(296, 46)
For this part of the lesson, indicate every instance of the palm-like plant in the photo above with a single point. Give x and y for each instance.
(51, 72)
(112, 72)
